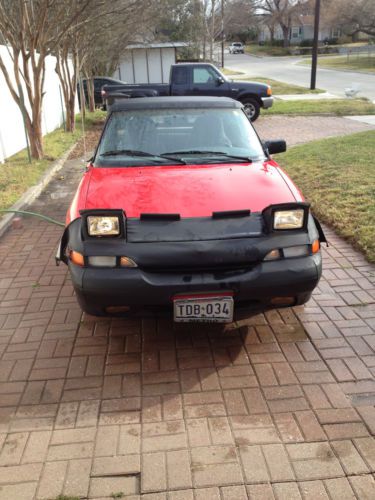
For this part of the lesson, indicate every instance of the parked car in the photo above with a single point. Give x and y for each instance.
(236, 48)
(99, 82)
(202, 79)
(183, 209)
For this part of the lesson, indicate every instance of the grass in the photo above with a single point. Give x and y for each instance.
(281, 88)
(17, 174)
(338, 177)
(266, 50)
(230, 72)
(337, 107)
(361, 63)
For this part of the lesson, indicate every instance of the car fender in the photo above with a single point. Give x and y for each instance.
(246, 94)
(70, 235)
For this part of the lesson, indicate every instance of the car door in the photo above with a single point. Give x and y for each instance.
(180, 84)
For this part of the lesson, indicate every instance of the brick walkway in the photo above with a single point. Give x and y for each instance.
(278, 406)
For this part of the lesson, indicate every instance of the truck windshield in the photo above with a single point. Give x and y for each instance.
(143, 137)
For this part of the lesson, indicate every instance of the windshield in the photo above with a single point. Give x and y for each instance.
(150, 137)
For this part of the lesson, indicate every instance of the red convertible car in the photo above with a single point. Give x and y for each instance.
(182, 209)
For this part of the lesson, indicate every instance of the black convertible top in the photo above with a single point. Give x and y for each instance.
(175, 102)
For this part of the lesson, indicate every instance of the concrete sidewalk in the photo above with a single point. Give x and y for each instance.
(307, 97)
(369, 119)
(278, 406)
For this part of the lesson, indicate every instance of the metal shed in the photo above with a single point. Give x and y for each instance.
(148, 63)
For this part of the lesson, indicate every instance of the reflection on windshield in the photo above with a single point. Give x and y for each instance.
(156, 132)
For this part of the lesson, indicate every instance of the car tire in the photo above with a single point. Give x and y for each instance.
(252, 108)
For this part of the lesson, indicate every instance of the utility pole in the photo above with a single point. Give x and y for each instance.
(314, 60)
(222, 33)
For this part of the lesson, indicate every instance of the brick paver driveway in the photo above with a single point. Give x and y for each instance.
(278, 406)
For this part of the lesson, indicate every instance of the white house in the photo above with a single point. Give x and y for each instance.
(302, 29)
(148, 63)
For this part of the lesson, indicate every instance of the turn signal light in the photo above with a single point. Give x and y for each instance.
(127, 262)
(77, 258)
(269, 90)
(273, 255)
(315, 247)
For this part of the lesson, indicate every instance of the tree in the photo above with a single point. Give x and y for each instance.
(94, 45)
(240, 20)
(355, 16)
(31, 31)
(280, 12)
(181, 21)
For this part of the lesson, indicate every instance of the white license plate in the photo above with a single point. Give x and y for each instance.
(201, 308)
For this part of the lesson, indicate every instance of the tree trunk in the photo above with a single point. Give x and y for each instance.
(272, 34)
(285, 35)
(90, 94)
(212, 34)
(34, 133)
(70, 115)
(68, 80)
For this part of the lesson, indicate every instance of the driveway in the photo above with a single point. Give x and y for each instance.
(280, 405)
(286, 69)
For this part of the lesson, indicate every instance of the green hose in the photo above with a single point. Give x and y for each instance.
(44, 217)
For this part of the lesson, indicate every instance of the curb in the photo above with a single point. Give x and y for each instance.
(33, 192)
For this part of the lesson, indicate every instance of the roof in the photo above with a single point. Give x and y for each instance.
(175, 102)
(161, 45)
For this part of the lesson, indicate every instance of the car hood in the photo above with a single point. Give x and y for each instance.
(252, 86)
(191, 190)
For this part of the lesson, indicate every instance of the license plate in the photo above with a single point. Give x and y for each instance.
(203, 308)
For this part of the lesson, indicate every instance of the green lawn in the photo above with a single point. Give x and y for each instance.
(338, 177)
(266, 50)
(17, 174)
(361, 63)
(338, 107)
(231, 72)
(281, 88)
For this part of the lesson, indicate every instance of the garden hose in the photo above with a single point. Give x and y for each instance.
(44, 217)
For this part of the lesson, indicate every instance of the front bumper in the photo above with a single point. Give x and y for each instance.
(253, 288)
(267, 102)
(192, 259)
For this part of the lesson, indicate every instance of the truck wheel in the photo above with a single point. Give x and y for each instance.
(251, 108)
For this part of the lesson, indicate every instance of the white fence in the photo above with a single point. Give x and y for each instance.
(12, 135)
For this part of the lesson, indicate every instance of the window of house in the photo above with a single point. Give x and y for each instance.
(295, 32)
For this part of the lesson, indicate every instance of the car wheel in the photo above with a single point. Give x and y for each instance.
(251, 108)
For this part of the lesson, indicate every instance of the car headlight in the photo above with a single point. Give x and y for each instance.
(288, 219)
(103, 225)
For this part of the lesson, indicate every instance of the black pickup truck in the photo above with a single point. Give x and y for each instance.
(199, 79)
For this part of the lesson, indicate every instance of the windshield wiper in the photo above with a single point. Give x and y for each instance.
(202, 152)
(135, 152)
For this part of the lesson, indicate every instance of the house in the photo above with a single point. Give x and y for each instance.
(302, 29)
(148, 62)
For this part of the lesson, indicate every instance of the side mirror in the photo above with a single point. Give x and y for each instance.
(220, 80)
(273, 147)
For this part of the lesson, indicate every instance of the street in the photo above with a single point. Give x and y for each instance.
(286, 69)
